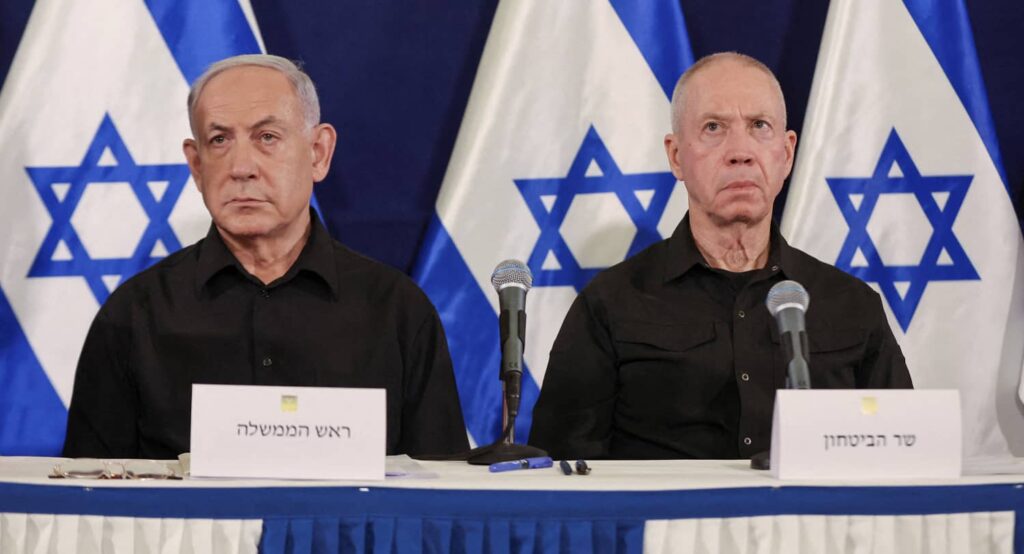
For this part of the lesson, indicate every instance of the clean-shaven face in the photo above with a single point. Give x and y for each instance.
(732, 149)
(253, 158)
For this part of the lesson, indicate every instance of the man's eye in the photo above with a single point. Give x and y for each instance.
(712, 126)
(267, 137)
(219, 139)
(761, 124)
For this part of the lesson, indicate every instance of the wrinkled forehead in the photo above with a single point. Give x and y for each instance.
(727, 85)
(247, 86)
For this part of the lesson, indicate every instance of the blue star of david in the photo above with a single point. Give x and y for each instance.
(565, 189)
(90, 173)
(941, 219)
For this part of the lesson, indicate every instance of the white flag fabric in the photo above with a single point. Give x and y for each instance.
(93, 181)
(559, 163)
(898, 182)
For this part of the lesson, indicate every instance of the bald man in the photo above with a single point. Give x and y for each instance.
(672, 353)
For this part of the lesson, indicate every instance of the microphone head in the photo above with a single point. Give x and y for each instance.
(787, 294)
(511, 273)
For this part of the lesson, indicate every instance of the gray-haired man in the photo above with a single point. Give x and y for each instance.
(267, 298)
(672, 353)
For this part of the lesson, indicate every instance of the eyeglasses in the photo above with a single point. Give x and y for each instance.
(91, 468)
(581, 467)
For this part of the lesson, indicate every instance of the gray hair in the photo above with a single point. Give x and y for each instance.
(678, 96)
(300, 81)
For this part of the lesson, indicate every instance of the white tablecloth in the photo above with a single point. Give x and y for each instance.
(42, 524)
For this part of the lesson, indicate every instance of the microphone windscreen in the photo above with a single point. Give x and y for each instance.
(512, 273)
(786, 294)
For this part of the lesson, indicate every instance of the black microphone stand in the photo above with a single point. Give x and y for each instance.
(511, 279)
(505, 449)
(795, 349)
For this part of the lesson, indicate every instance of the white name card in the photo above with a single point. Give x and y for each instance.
(288, 432)
(866, 434)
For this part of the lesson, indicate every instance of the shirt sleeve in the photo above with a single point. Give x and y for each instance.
(102, 416)
(883, 365)
(573, 416)
(432, 420)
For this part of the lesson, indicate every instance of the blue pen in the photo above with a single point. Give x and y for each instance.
(525, 463)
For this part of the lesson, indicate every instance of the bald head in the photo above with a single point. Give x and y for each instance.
(679, 94)
(729, 145)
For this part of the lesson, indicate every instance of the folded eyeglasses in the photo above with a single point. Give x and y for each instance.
(92, 468)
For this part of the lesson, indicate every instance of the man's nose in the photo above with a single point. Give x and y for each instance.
(738, 150)
(242, 162)
(740, 157)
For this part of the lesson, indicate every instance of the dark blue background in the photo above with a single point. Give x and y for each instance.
(394, 77)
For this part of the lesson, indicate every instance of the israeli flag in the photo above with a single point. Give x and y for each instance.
(559, 163)
(93, 180)
(898, 182)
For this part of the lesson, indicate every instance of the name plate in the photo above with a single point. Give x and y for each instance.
(866, 434)
(288, 432)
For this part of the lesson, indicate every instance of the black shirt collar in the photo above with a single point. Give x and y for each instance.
(317, 258)
(683, 253)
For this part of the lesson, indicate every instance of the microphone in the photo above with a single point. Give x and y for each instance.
(512, 279)
(787, 301)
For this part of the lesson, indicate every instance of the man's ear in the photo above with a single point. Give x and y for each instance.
(672, 145)
(324, 140)
(790, 150)
(191, 150)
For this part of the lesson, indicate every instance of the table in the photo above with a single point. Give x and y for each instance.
(623, 506)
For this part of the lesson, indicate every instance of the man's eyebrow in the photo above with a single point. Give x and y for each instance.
(216, 127)
(269, 120)
(749, 117)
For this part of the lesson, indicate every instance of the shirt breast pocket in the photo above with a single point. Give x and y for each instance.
(637, 341)
(669, 372)
(834, 358)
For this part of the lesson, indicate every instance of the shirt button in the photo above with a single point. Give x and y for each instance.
(265, 293)
(742, 314)
(775, 268)
(267, 362)
(747, 441)
(745, 376)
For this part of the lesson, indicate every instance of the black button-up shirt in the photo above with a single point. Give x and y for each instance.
(662, 356)
(335, 319)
